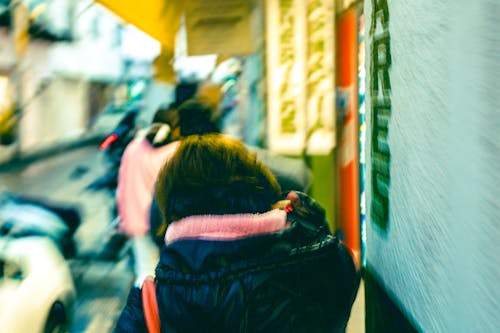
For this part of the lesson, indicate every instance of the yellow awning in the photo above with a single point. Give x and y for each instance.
(159, 19)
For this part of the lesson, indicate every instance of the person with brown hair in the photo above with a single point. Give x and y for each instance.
(236, 256)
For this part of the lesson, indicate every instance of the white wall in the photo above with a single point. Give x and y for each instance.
(58, 114)
(55, 95)
(440, 255)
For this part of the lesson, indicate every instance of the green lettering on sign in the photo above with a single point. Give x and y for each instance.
(380, 87)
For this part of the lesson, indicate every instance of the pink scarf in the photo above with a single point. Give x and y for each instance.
(226, 227)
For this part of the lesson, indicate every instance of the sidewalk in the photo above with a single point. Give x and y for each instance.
(356, 322)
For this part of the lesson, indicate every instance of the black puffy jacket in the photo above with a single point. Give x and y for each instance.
(301, 279)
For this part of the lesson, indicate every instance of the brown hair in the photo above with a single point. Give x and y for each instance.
(213, 174)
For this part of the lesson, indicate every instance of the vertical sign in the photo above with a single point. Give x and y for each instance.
(285, 43)
(300, 76)
(320, 122)
(380, 86)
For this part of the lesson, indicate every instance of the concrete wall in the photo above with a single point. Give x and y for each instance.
(56, 115)
(438, 256)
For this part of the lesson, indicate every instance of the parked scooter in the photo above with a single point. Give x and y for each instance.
(23, 216)
(37, 292)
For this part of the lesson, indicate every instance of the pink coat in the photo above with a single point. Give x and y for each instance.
(140, 165)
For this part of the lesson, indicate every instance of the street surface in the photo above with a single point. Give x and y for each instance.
(102, 286)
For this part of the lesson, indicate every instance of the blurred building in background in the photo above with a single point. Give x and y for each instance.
(76, 56)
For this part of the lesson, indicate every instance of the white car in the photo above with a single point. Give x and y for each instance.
(36, 286)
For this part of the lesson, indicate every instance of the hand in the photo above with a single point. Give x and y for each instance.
(306, 210)
(305, 206)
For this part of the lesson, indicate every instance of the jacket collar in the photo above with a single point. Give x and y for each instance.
(226, 227)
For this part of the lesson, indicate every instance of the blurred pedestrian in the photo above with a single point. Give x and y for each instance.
(237, 258)
(140, 164)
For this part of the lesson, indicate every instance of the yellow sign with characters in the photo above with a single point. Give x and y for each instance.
(300, 76)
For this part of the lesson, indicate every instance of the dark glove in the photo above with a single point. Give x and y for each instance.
(305, 210)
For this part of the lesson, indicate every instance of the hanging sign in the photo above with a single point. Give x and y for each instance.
(300, 76)
(219, 27)
(285, 37)
(320, 92)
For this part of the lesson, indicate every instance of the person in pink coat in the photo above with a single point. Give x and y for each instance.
(140, 165)
(142, 160)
